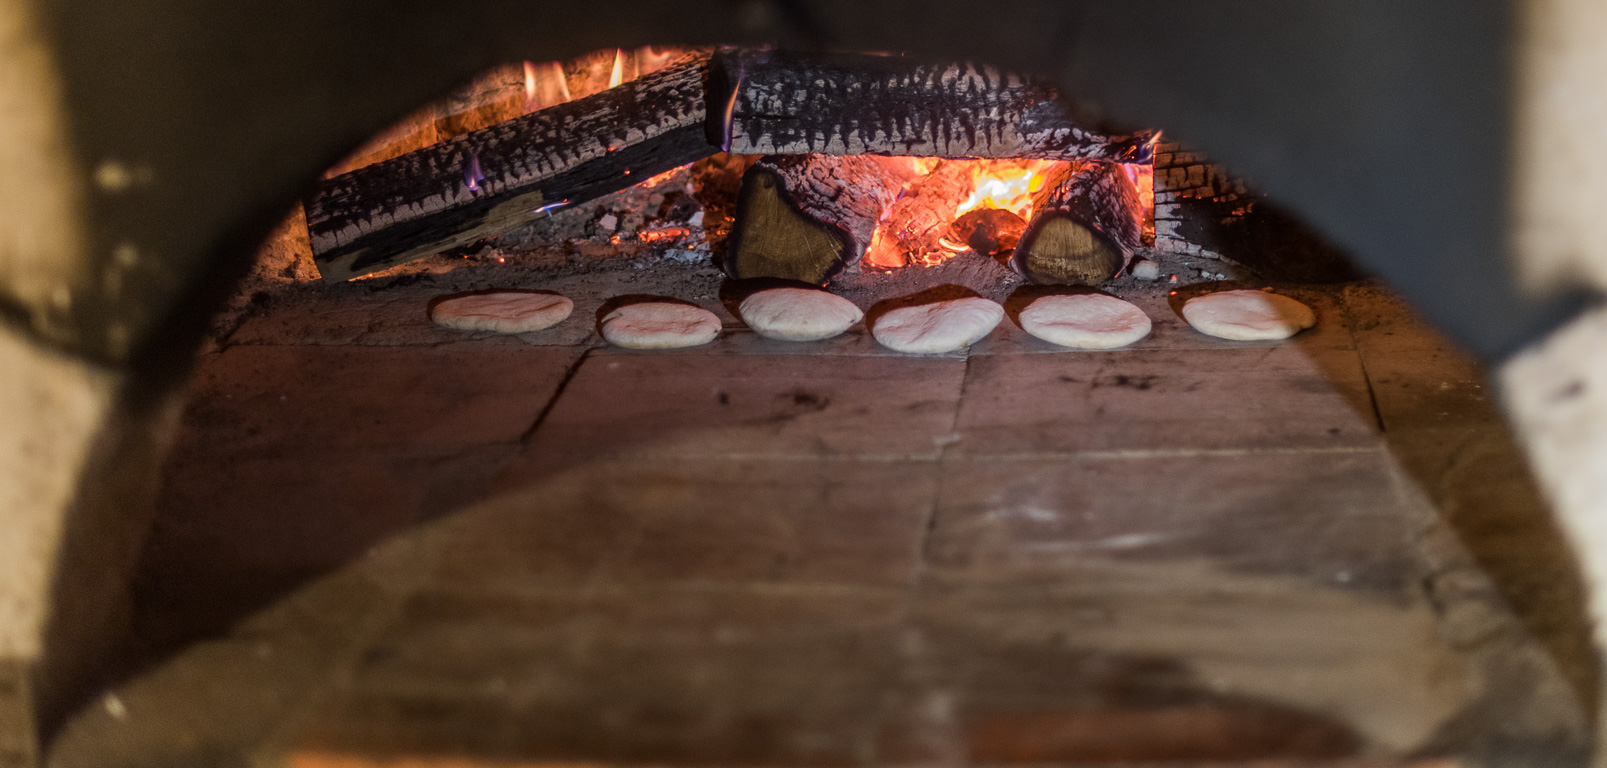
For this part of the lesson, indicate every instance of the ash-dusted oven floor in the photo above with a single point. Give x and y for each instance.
(383, 541)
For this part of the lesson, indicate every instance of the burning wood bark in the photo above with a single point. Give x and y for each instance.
(1086, 226)
(773, 102)
(490, 180)
(485, 182)
(806, 217)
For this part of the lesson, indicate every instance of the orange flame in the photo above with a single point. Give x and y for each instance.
(545, 85)
(619, 69)
(1005, 184)
(1143, 176)
(652, 58)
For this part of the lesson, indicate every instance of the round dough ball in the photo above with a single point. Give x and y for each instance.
(940, 327)
(1085, 321)
(798, 314)
(502, 311)
(1144, 269)
(660, 325)
(1248, 315)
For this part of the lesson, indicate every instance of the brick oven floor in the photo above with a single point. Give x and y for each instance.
(478, 551)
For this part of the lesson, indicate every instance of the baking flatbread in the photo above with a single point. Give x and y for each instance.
(660, 325)
(1085, 321)
(1248, 315)
(502, 311)
(798, 314)
(943, 326)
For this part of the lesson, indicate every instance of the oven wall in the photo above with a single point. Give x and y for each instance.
(147, 147)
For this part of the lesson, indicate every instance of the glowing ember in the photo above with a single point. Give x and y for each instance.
(1006, 185)
(665, 234)
(883, 251)
(661, 178)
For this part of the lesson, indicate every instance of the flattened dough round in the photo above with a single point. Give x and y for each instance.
(1085, 321)
(943, 326)
(502, 311)
(798, 314)
(660, 325)
(1248, 315)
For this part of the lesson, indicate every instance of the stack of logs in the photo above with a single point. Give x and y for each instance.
(836, 131)
(807, 217)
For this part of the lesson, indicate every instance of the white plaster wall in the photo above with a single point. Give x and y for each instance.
(1556, 391)
(53, 408)
(1561, 144)
(41, 188)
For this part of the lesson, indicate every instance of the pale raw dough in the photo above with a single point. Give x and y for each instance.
(1085, 321)
(660, 325)
(940, 327)
(798, 314)
(1248, 315)
(502, 311)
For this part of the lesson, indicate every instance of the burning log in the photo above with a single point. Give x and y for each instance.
(1086, 226)
(988, 231)
(920, 219)
(806, 217)
(774, 102)
(491, 180)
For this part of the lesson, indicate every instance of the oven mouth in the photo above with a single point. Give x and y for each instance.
(564, 546)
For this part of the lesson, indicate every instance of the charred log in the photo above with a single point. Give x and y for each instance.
(775, 102)
(806, 217)
(1086, 226)
(499, 177)
(988, 231)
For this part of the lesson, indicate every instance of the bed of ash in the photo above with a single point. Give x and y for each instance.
(660, 238)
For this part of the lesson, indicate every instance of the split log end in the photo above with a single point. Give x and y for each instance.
(1059, 250)
(774, 239)
(1086, 228)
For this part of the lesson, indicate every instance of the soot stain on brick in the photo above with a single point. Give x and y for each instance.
(799, 402)
(809, 401)
(1139, 382)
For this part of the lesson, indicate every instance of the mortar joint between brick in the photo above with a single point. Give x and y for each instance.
(557, 393)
